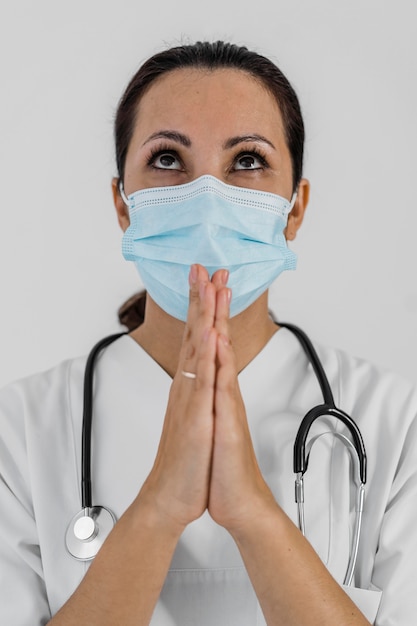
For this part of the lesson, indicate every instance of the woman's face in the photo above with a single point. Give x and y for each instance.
(192, 122)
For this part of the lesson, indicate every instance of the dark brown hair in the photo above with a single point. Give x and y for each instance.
(212, 56)
(132, 312)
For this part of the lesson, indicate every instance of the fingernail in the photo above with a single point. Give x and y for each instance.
(225, 276)
(193, 274)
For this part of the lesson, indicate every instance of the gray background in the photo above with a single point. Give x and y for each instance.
(63, 68)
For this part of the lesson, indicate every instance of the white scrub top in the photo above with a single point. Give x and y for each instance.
(207, 585)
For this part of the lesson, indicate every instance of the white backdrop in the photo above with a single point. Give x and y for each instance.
(63, 68)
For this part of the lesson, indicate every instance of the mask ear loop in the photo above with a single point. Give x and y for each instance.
(122, 193)
(293, 199)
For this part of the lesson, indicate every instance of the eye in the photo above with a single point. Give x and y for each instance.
(164, 160)
(250, 161)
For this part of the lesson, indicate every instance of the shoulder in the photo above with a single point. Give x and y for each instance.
(384, 406)
(352, 379)
(363, 384)
(382, 402)
(34, 411)
(46, 400)
(32, 394)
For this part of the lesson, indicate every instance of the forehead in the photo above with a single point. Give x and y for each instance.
(224, 99)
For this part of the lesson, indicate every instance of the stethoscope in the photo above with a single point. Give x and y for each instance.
(89, 528)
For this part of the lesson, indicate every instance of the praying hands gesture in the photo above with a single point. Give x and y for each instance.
(206, 458)
(206, 461)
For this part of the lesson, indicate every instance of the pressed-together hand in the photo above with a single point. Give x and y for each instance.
(205, 457)
(237, 490)
(179, 481)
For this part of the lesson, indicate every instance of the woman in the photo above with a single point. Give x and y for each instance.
(196, 411)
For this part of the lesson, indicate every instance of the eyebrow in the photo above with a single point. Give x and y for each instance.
(178, 137)
(170, 134)
(234, 141)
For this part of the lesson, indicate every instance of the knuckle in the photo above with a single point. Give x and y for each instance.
(187, 334)
(194, 295)
(189, 353)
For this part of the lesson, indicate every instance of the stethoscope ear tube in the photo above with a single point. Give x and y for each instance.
(88, 418)
(314, 361)
(300, 458)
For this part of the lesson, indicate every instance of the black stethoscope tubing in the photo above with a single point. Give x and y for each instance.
(89, 528)
(86, 498)
(300, 461)
(327, 408)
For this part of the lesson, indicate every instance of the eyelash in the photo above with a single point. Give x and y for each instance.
(255, 152)
(159, 150)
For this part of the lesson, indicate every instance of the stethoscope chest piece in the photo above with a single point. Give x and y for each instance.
(87, 532)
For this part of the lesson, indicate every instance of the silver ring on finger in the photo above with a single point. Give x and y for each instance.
(188, 374)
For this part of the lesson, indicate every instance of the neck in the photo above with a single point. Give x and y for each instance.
(161, 335)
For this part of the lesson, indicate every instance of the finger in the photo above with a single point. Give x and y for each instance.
(222, 315)
(198, 399)
(203, 321)
(227, 372)
(197, 275)
(206, 364)
(220, 278)
(228, 396)
(229, 407)
(200, 317)
(195, 397)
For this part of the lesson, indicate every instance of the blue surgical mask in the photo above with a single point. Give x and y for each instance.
(208, 222)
